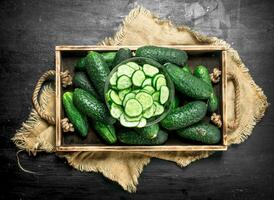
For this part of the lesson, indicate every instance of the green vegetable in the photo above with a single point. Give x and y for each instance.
(187, 115)
(91, 107)
(78, 120)
(121, 55)
(203, 73)
(186, 68)
(201, 132)
(81, 80)
(187, 83)
(106, 131)
(162, 54)
(148, 132)
(97, 71)
(175, 103)
(131, 137)
(109, 57)
(81, 65)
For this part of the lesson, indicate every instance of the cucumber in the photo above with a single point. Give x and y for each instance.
(115, 98)
(201, 132)
(163, 54)
(134, 65)
(128, 96)
(126, 123)
(131, 137)
(106, 131)
(125, 70)
(145, 100)
(133, 108)
(98, 71)
(203, 73)
(121, 55)
(116, 111)
(160, 82)
(132, 119)
(91, 107)
(78, 120)
(150, 70)
(186, 68)
(149, 89)
(164, 94)
(113, 79)
(188, 84)
(187, 115)
(123, 82)
(123, 93)
(142, 123)
(175, 103)
(147, 82)
(155, 78)
(80, 65)
(82, 81)
(138, 77)
(109, 57)
(156, 96)
(148, 132)
(159, 109)
(148, 113)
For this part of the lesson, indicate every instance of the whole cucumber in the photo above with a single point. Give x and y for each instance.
(186, 68)
(121, 55)
(175, 103)
(98, 71)
(201, 132)
(203, 73)
(109, 57)
(78, 120)
(91, 107)
(80, 64)
(106, 131)
(188, 84)
(187, 115)
(149, 132)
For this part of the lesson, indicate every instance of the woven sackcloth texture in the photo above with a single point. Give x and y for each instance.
(142, 27)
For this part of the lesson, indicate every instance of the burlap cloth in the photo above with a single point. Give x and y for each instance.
(141, 27)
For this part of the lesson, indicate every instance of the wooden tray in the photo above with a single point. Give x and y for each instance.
(210, 56)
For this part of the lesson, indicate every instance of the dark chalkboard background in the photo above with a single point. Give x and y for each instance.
(29, 31)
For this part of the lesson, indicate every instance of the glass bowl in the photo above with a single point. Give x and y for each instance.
(141, 61)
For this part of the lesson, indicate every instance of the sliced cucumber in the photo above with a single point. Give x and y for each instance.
(126, 123)
(108, 95)
(160, 82)
(149, 89)
(146, 82)
(123, 93)
(142, 123)
(133, 108)
(128, 96)
(133, 119)
(155, 79)
(125, 70)
(164, 94)
(115, 98)
(123, 82)
(116, 111)
(133, 65)
(135, 91)
(138, 77)
(149, 112)
(150, 70)
(145, 99)
(159, 109)
(113, 79)
(156, 96)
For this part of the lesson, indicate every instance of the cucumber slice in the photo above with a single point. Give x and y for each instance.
(133, 108)
(133, 119)
(123, 93)
(146, 82)
(126, 123)
(113, 79)
(160, 82)
(164, 94)
(128, 96)
(123, 82)
(115, 98)
(133, 65)
(149, 112)
(150, 70)
(125, 70)
(108, 95)
(135, 91)
(156, 96)
(116, 111)
(149, 89)
(142, 123)
(159, 109)
(138, 77)
(145, 99)
(155, 79)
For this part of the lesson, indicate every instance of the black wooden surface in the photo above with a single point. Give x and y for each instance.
(29, 30)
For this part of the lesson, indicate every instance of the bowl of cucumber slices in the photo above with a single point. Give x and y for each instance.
(139, 92)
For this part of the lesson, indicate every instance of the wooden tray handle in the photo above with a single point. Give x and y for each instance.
(66, 80)
(235, 123)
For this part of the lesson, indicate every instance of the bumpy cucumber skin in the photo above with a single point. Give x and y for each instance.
(188, 84)
(131, 137)
(106, 131)
(163, 54)
(149, 132)
(203, 73)
(91, 107)
(81, 80)
(175, 103)
(98, 71)
(201, 132)
(187, 115)
(109, 57)
(121, 55)
(186, 68)
(78, 120)
(81, 64)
